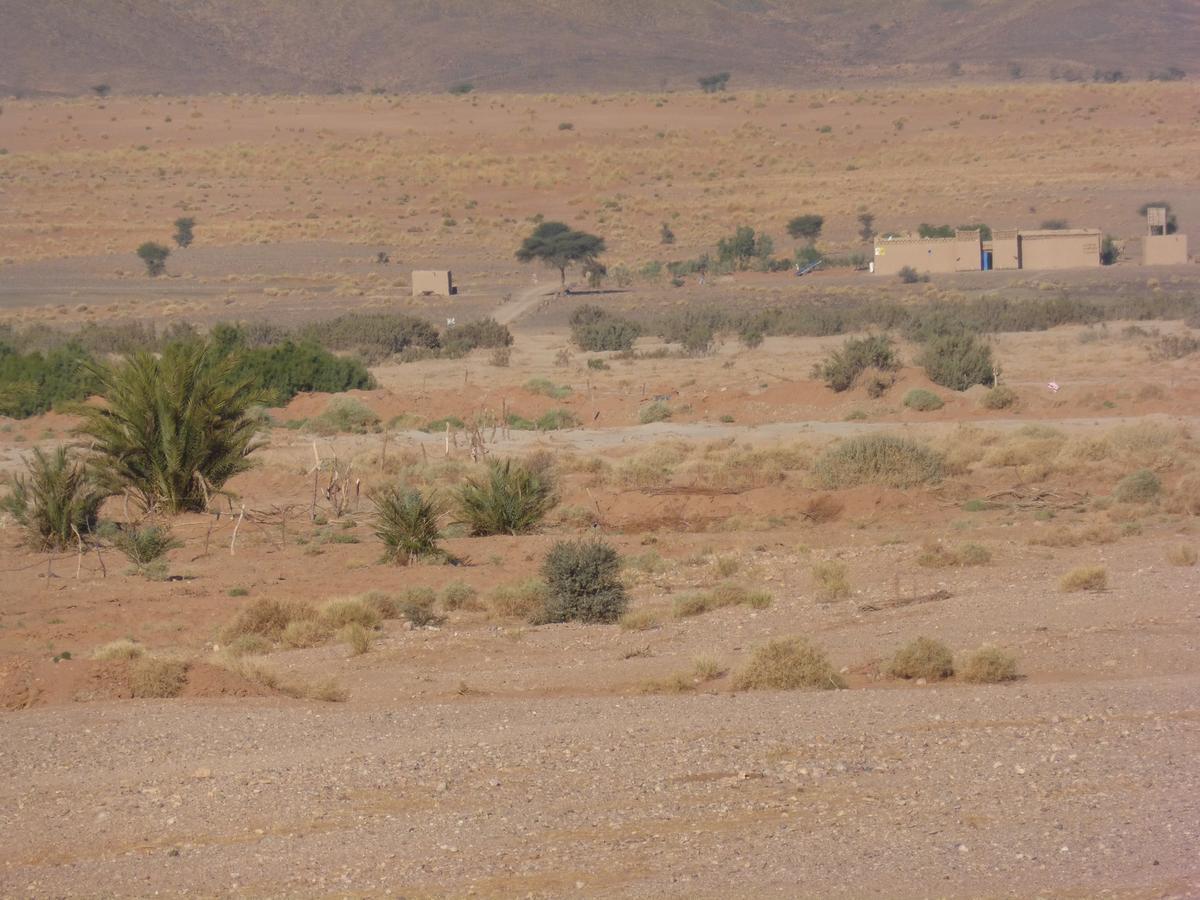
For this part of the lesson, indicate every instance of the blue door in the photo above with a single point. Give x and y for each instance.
(987, 261)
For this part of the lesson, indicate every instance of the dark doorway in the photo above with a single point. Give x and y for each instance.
(987, 260)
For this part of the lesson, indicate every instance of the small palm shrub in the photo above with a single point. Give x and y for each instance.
(922, 658)
(407, 523)
(957, 361)
(584, 583)
(841, 370)
(508, 499)
(145, 547)
(55, 501)
(172, 429)
(877, 459)
(788, 664)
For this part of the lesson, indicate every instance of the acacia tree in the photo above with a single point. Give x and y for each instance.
(183, 231)
(154, 256)
(807, 227)
(561, 247)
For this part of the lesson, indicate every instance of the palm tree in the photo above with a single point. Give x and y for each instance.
(172, 429)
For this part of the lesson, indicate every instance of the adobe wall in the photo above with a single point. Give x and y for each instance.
(1060, 250)
(1164, 250)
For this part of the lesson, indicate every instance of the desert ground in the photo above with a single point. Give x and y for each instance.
(475, 753)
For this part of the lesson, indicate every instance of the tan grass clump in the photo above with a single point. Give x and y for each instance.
(1066, 537)
(923, 658)
(357, 638)
(304, 633)
(266, 618)
(1085, 578)
(719, 597)
(1182, 555)
(339, 613)
(521, 600)
(788, 664)
(832, 580)
(248, 645)
(990, 665)
(460, 595)
(639, 620)
(153, 677)
(383, 603)
(326, 690)
(1185, 498)
(123, 648)
(939, 556)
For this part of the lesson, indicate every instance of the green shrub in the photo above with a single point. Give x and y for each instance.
(173, 429)
(877, 459)
(374, 336)
(343, 415)
(594, 329)
(788, 664)
(841, 370)
(923, 658)
(459, 595)
(1140, 487)
(416, 606)
(33, 383)
(407, 523)
(909, 275)
(481, 333)
(145, 547)
(957, 361)
(556, 420)
(922, 400)
(154, 256)
(509, 499)
(999, 397)
(547, 388)
(56, 502)
(584, 585)
(658, 411)
(282, 371)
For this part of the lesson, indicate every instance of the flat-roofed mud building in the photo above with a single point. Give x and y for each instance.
(1068, 248)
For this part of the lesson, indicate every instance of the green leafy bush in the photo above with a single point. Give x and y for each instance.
(486, 333)
(407, 523)
(284, 370)
(344, 415)
(173, 429)
(594, 329)
(584, 583)
(958, 361)
(922, 400)
(32, 383)
(508, 499)
(841, 370)
(877, 459)
(56, 502)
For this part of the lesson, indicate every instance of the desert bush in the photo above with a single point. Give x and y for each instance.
(248, 645)
(1085, 578)
(357, 638)
(1066, 537)
(922, 658)
(387, 605)
(173, 429)
(957, 361)
(939, 556)
(832, 580)
(459, 595)
(922, 400)
(990, 665)
(183, 231)
(154, 256)
(337, 614)
(267, 618)
(406, 521)
(720, 597)
(501, 357)
(522, 600)
(282, 371)
(152, 677)
(841, 370)
(55, 502)
(1141, 486)
(658, 411)
(909, 275)
(1182, 555)
(416, 606)
(33, 383)
(302, 633)
(373, 336)
(326, 690)
(146, 546)
(1186, 496)
(822, 508)
(877, 459)
(547, 388)
(508, 499)
(583, 581)
(556, 420)
(486, 333)
(122, 648)
(594, 329)
(343, 415)
(999, 397)
(788, 664)
(640, 620)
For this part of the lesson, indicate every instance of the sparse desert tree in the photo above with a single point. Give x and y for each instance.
(171, 430)
(665, 235)
(560, 247)
(807, 227)
(154, 256)
(743, 246)
(508, 499)
(584, 583)
(183, 231)
(56, 502)
(866, 226)
(407, 523)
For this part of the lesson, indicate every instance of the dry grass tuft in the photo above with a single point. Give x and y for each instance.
(990, 665)
(1185, 498)
(939, 556)
(1065, 537)
(822, 508)
(460, 595)
(155, 677)
(832, 580)
(326, 690)
(1085, 578)
(357, 638)
(521, 600)
(640, 620)
(1182, 555)
(383, 603)
(248, 645)
(120, 649)
(337, 614)
(788, 664)
(266, 618)
(721, 596)
(923, 658)
(304, 633)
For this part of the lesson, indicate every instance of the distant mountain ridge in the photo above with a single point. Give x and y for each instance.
(200, 46)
